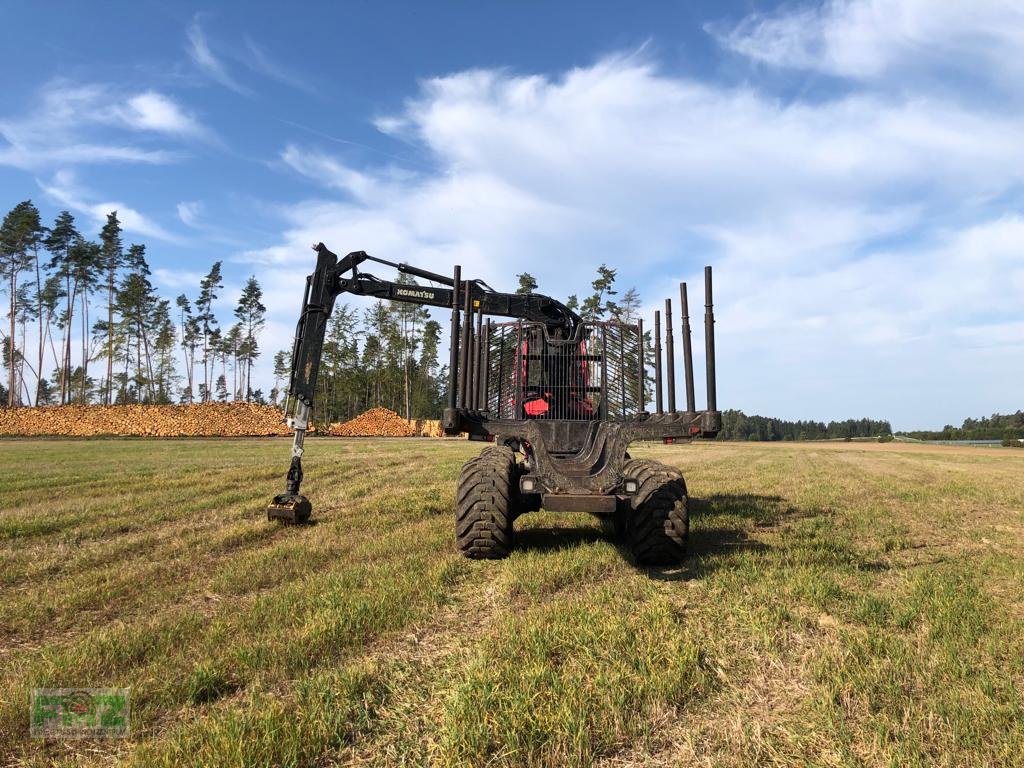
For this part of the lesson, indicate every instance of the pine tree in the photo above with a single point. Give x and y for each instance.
(208, 288)
(232, 348)
(252, 315)
(527, 283)
(597, 305)
(20, 236)
(338, 387)
(282, 370)
(628, 310)
(111, 261)
(215, 344)
(43, 293)
(50, 299)
(60, 243)
(430, 389)
(408, 319)
(136, 302)
(164, 342)
(86, 257)
(190, 333)
(25, 315)
(222, 388)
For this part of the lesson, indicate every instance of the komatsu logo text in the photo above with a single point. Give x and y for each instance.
(413, 294)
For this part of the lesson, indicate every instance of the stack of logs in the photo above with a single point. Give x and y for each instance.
(376, 422)
(199, 420)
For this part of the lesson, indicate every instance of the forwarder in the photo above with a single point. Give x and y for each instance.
(560, 397)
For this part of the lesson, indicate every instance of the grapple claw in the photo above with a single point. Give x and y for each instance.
(289, 508)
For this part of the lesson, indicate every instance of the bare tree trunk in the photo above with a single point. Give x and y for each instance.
(138, 363)
(39, 318)
(149, 360)
(49, 339)
(85, 344)
(10, 367)
(65, 379)
(127, 365)
(206, 367)
(110, 332)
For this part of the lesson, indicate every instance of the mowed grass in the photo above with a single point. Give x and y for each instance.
(843, 604)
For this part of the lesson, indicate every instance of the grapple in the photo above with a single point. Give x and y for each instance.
(289, 508)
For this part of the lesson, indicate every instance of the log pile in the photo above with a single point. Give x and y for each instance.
(376, 422)
(426, 428)
(199, 420)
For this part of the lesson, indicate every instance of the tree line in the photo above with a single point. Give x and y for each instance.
(998, 426)
(736, 425)
(87, 325)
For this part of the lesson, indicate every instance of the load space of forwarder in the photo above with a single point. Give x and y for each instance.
(560, 398)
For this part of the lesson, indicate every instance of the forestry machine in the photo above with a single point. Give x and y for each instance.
(560, 398)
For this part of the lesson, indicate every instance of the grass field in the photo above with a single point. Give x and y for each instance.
(842, 605)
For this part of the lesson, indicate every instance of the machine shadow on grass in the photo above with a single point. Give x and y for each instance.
(719, 528)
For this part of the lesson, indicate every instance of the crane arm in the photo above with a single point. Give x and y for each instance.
(334, 276)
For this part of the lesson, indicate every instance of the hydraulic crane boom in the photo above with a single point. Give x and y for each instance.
(333, 276)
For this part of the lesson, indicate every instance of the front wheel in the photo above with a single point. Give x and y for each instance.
(659, 522)
(484, 504)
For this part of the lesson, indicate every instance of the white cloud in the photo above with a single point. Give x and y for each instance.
(329, 172)
(189, 212)
(65, 189)
(199, 51)
(152, 111)
(865, 39)
(93, 123)
(850, 236)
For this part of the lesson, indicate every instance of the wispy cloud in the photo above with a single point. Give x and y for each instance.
(199, 51)
(260, 61)
(73, 123)
(189, 213)
(866, 39)
(64, 189)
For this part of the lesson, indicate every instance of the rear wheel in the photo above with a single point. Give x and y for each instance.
(659, 522)
(484, 504)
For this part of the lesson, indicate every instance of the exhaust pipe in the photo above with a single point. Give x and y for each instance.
(709, 340)
(657, 362)
(687, 351)
(453, 357)
(670, 358)
(478, 363)
(464, 353)
(642, 380)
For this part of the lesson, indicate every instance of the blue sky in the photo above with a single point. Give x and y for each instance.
(853, 170)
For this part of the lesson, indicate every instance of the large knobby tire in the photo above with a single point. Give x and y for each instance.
(484, 504)
(659, 522)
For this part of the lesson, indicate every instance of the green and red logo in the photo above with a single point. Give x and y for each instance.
(79, 713)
